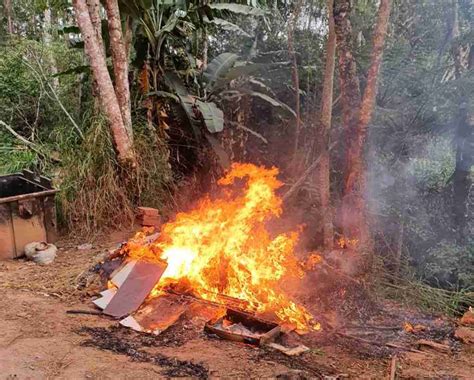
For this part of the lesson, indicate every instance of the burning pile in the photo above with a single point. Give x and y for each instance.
(222, 249)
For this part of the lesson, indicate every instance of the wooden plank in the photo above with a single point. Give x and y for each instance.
(22, 197)
(161, 312)
(119, 277)
(140, 282)
(28, 226)
(7, 241)
(50, 222)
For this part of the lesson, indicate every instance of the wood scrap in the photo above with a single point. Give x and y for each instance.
(289, 351)
(106, 297)
(434, 345)
(468, 317)
(464, 334)
(89, 312)
(393, 367)
(375, 343)
(138, 285)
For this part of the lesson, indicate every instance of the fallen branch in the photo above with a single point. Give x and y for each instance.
(434, 345)
(252, 132)
(376, 343)
(306, 173)
(393, 367)
(89, 312)
(42, 79)
(26, 142)
(390, 328)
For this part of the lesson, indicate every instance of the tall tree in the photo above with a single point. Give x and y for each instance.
(120, 63)
(107, 96)
(464, 124)
(292, 23)
(321, 177)
(47, 39)
(94, 12)
(357, 114)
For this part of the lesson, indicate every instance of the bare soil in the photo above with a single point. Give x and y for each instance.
(40, 340)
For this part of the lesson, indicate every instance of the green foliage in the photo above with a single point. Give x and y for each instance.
(94, 195)
(450, 264)
(416, 293)
(434, 168)
(15, 157)
(218, 68)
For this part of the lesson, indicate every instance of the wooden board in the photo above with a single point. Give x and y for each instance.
(7, 241)
(139, 283)
(161, 312)
(28, 226)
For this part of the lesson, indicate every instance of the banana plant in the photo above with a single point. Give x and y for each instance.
(202, 107)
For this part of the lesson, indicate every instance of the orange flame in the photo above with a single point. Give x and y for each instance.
(222, 247)
(344, 242)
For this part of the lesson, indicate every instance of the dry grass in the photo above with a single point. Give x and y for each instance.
(412, 292)
(95, 197)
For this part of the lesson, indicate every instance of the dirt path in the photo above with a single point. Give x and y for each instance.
(39, 340)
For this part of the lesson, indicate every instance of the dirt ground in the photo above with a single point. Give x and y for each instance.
(39, 340)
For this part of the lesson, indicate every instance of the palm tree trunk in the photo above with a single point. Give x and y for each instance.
(107, 96)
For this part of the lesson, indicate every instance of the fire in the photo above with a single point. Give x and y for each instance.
(223, 248)
(347, 243)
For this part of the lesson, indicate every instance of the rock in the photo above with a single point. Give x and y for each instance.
(464, 334)
(468, 317)
(84, 246)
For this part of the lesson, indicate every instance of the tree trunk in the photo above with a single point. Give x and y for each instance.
(349, 88)
(354, 218)
(322, 180)
(94, 12)
(462, 183)
(101, 75)
(463, 135)
(128, 36)
(8, 9)
(347, 67)
(295, 77)
(47, 39)
(205, 49)
(120, 63)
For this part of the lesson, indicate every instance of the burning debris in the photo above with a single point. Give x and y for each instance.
(221, 256)
(243, 327)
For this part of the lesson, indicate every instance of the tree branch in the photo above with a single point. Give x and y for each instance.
(26, 142)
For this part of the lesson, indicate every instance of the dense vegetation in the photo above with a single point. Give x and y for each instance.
(207, 83)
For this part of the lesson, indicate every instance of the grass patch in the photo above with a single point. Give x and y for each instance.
(413, 292)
